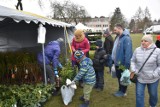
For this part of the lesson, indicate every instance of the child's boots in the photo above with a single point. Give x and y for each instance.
(85, 104)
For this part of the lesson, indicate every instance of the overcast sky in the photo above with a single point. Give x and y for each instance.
(96, 7)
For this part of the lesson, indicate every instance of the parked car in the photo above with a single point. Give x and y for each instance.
(155, 29)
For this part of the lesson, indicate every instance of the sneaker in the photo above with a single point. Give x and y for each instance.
(116, 92)
(125, 94)
(54, 93)
(120, 94)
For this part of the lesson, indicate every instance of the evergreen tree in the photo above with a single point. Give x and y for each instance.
(159, 21)
(132, 25)
(117, 18)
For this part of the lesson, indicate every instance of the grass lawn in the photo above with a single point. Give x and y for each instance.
(106, 98)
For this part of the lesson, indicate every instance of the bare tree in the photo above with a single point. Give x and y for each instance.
(139, 18)
(68, 12)
(142, 18)
(147, 18)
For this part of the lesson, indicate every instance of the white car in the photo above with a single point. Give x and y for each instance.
(153, 29)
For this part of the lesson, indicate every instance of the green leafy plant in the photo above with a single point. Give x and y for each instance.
(67, 72)
(94, 38)
(24, 95)
(121, 67)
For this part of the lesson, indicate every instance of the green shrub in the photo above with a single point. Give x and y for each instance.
(24, 95)
(14, 66)
(94, 38)
(67, 72)
(92, 46)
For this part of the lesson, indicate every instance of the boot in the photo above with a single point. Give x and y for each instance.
(85, 104)
(54, 92)
(82, 98)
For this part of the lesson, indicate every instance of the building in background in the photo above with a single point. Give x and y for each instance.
(99, 24)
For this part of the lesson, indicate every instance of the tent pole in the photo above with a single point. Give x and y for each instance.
(65, 45)
(68, 40)
(44, 64)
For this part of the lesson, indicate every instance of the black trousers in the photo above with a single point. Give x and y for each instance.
(118, 73)
(49, 73)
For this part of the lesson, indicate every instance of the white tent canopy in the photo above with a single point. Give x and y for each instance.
(83, 27)
(18, 16)
(18, 29)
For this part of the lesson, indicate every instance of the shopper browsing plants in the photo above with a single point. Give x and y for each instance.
(87, 74)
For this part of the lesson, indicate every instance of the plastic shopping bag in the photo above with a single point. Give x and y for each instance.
(67, 92)
(125, 78)
(69, 83)
(113, 71)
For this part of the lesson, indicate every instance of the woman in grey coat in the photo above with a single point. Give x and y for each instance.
(149, 74)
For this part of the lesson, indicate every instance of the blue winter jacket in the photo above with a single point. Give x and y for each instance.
(52, 52)
(124, 50)
(86, 72)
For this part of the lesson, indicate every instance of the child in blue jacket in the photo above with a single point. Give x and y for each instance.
(87, 74)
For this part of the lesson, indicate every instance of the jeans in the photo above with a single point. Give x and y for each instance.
(152, 90)
(99, 79)
(118, 74)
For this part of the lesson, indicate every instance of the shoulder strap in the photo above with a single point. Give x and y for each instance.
(146, 60)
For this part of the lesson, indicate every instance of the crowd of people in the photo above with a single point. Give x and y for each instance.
(144, 62)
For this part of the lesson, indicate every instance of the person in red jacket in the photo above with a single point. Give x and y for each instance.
(79, 42)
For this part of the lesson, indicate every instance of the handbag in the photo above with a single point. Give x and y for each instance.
(134, 79)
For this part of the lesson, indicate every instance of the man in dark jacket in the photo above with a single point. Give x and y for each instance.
(98, 64)
(108, 43)
(108, 46)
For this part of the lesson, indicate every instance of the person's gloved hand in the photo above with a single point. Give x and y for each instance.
(56, 72)
(60, 65)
